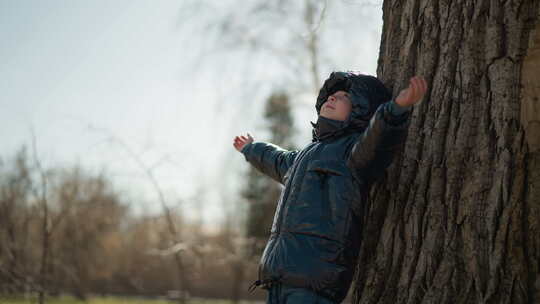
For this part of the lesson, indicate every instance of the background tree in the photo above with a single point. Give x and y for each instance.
(94, 212)
(261, 192)
(51, 213)
(456, 219)
(173, 222)
(288, 32)
(15, 255)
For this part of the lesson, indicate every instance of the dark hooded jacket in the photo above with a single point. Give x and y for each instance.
(315, 237)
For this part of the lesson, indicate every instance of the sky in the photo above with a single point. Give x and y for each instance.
(101, 84)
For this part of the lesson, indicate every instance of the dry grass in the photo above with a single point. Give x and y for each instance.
(110, 300)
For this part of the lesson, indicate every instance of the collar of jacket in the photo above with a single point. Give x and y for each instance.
(327, 128)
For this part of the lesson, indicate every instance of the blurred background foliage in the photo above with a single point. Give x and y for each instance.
(70, 230)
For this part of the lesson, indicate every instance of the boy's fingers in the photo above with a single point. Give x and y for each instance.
(417, 88)
(407, 94)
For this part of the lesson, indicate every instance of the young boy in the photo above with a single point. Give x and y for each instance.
(314, 241)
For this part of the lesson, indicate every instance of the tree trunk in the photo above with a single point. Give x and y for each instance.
(456, 218)
(43, 271)
(238, 271)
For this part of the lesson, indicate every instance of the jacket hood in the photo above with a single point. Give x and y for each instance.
(367, 94)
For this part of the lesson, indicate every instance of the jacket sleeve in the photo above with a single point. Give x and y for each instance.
(374, 150)
(270, 159)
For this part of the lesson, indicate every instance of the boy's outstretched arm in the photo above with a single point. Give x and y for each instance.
(267, 158)
(376, 147)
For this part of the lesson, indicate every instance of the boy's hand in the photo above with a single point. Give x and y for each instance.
(241, 141)
(414, 93)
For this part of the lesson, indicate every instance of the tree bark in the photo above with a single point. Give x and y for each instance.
(456, 218)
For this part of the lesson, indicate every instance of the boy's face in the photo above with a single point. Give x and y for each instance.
(337, 107)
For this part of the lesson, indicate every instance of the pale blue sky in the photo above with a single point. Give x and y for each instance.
(79, 71)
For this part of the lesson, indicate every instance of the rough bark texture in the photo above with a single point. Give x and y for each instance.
(456, 219)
